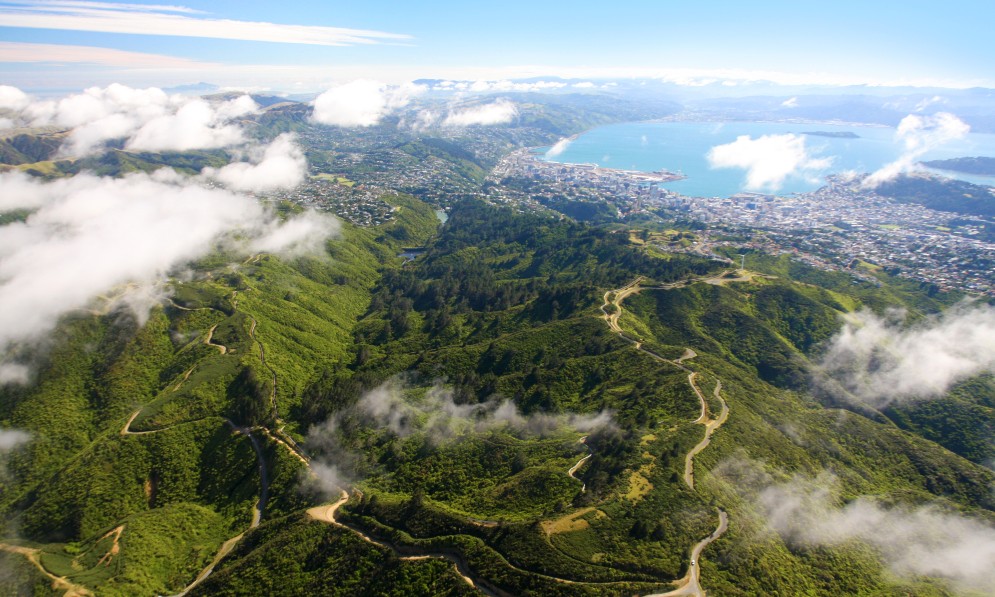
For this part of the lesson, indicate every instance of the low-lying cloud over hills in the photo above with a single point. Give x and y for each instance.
(88, 236)
(880, 360)
(146, 119)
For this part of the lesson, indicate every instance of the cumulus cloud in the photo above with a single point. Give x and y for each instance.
(279, 165)
(195, 125)
(558, 148)
(12, 98)
(880, 360)
(912, 541)
(768, 160)
(362, 102)
(790, 103)
(89, 236)
(918, 135)
(148, 119)
(498, 112)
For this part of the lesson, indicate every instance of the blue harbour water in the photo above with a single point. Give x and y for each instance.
(683, 146)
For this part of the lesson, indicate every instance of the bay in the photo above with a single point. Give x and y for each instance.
(683, 146)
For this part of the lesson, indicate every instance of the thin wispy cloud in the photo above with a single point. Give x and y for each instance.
(30, 53)
(82, 4)
(881, 360)
(393, 407)
(558, 148)
(918, 135)
(911, 541)
(177, 21)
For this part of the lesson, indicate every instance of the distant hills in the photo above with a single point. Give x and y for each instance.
(983, 166)
(943, 194)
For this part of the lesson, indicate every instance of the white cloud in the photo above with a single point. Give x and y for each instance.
(584, 85)
(305, 233)
(362, 102)
(505, 85)
(925, 103)
(148, 119)
(790, 103)
(768, 160)
(12, 438)
(279, 165)
(918, 135)
(195, 125)
(391, 406)
(880, 360)
(14, 373)
(498, 112)
(398, 409)
(159, 20)
(89, 236)
(912, 541)
(24, 52)
(558, 148)
(12, 98)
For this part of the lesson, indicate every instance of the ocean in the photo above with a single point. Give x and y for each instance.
(682, 147)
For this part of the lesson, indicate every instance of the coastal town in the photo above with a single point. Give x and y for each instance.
(841, 226)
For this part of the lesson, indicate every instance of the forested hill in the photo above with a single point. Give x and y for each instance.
(942, 194)
(983, 166)
(531, 406)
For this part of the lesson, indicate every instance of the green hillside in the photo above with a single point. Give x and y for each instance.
(522, 409)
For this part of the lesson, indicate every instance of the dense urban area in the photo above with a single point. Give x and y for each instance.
(839, 226)
(842, 226)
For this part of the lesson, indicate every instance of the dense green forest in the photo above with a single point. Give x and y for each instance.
(487, 421)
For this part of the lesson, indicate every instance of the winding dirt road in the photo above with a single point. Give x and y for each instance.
(573, 469)
(326, 513)
(277, 434)
(209, 340)
(710, 426)
(59, 583)
(690, 584)
(258, 508)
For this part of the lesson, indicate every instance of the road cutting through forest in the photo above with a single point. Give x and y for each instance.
(326, 513)
(612, 311)
(688, 585)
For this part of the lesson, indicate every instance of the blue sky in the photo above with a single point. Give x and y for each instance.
(66, 43)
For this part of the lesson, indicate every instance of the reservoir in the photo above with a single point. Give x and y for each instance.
(683, 146)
